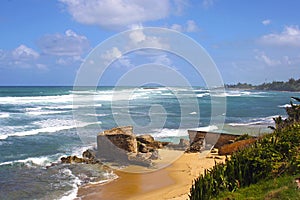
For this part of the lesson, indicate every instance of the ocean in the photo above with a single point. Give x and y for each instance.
(39, 125)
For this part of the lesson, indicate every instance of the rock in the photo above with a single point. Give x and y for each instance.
(214, 150)
(197, 145)
(184, 142)
(89, 154)
(140, 160)
(114, 144)
(156, 145)
(146, 139)
(155, 155)
(182, 145)
(143, 148)
(150, 143)
(122, 137)
(72, 159)
(88, 157)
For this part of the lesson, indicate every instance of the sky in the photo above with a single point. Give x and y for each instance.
(45, 42)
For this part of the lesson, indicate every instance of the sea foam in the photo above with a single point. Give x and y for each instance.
(49, 126)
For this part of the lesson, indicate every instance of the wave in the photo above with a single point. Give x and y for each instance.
(72, 194)
(165, 132)
(256, 121)
(33, 109)
(76, 182)
(203, 95)
(37, 99)
(36, 113)
(206, 128)
(40, 161)
(49, 126)
(238, 93)
(284, 106)
(98, 115)
(4, 115)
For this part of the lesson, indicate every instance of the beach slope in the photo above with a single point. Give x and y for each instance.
(172, 182)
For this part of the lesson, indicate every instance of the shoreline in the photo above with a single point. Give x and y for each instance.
(171, 182)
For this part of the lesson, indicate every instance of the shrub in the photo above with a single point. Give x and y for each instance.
(270, 156)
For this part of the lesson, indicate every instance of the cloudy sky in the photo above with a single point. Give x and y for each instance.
(45, 42)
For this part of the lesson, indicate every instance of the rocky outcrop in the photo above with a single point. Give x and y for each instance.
(88, 157)
(145, 139)
(228, 149)
(182, 145)
(120, 145)
(197, 145)
(146, 143)
(121, 137)
(211, 139)
(114, 144)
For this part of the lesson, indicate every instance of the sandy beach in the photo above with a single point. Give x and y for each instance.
(171, 182)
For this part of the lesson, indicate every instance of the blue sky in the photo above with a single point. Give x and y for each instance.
(45, 42)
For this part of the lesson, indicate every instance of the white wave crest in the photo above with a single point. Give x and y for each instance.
(37, 99)
(40, 161)
(4, 115)
(256, 121)
(239, 93)
(49, 126)
(72, 194)
(36, 113)
(284, 106)
(203, 95)
(165, 132)
(206, 128)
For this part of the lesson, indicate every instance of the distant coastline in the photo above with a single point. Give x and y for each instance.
(291, 85)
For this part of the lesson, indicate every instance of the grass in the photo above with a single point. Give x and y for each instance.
(281, 188)
(272, 155)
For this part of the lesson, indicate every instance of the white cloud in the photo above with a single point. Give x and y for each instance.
(137, 36)
(176, 27)
(22, 56)
(116, 54)
(68, 60)
(287, 60)
(266, 22)
(112, 54)
(179, 6)
(190, 26)
(290, 36)
(114, 14)
(261, 56)
(138, 39)
(68, 44)
(41, 66)
(24, 53)
(162, 59)
(207, 3)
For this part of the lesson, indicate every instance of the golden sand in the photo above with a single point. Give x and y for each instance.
(171, 182)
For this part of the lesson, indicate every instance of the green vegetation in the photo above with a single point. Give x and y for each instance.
(272, 156)
(290, 85)
(281, 188)
(241, 86)
(243, 137)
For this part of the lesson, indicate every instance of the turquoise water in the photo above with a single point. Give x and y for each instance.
(38, 125)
